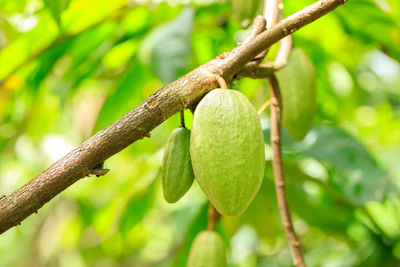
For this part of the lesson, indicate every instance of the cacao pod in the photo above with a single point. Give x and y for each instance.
(298, 89)
(208, 250)
(245, 11)
(176, 169)
(227, 150)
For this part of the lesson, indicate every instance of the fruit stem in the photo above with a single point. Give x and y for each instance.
(264, 106)
(221, 81)
(213, 217)
(182, 119)
(279, 178)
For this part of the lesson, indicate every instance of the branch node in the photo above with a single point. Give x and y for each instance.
(99, 170)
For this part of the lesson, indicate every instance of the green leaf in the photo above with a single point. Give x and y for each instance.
(128, 94)
(382, 30)
(354, 173)
(245, 11)
(199, 223)
(167, 49)
(298, 88)
(56, 8)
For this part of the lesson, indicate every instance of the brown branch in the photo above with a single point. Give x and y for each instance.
(253, 69)
(279, 180)
(271, 15)
(281, 60)
(135, 125)
(259, 25)
(271, 12)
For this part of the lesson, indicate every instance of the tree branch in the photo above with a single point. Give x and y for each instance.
(279, 180)
(135, 125)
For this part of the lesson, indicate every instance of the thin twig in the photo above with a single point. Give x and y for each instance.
(277, 166)
(264, 106)
(213, 217)
(281, 60)
(135, 125)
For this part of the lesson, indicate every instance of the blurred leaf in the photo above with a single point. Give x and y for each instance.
(245, 11)
(137, 207)
(382, 30)
(167, 49)
(354, 173)
(45, 65)
(128, 94)
(198, 224)
(56, 8)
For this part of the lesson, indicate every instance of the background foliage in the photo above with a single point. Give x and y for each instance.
(68, 68)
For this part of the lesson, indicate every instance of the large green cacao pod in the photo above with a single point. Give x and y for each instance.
(176, 170)
(298, 88)
(227, 150)
(208, 250)
(245, 11)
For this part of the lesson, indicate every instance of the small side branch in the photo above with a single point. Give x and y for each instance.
(264, 106)
(281, 60)
(277, 166)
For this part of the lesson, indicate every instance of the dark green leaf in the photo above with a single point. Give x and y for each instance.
(167, 49)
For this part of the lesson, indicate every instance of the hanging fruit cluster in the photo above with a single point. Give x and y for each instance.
(225, 150)
(225, 153)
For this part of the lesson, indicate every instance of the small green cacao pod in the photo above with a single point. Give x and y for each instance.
(227, 150)
(298, 88)
(176, 170)
(245, 11)
(208, 250)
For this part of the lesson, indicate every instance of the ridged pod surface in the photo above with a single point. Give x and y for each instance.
(208, 250)
(176, 170)
(227, 150)
(245, 11)
(298, 88)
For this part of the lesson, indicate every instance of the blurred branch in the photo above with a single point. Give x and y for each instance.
(272, 10)
(279, 179)
(135, 125)
(271, 14)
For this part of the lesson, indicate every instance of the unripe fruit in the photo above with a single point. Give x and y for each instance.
(298, 88)
(176, 170)
(208, 250)
(227, 150)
